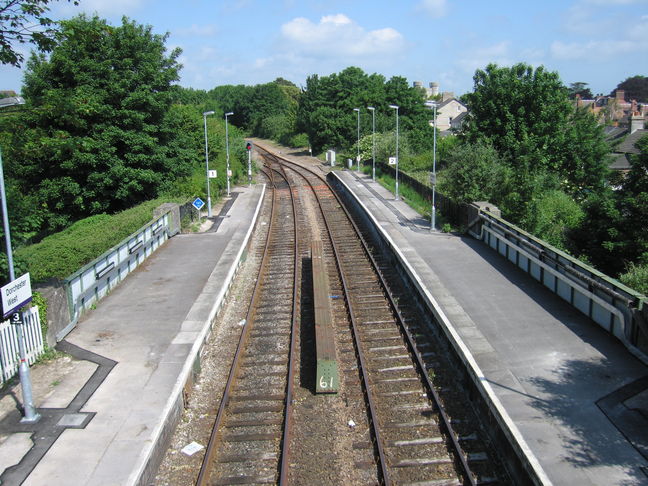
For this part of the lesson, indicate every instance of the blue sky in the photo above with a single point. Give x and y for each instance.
(600, 42)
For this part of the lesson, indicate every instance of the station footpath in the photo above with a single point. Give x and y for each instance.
(106, 412)
(574, 398)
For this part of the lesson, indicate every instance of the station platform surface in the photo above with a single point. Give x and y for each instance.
(103, 414)
(576, 398)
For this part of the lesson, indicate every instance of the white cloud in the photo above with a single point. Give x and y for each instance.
(478, 58)
(591, 50)
(197, 31)
(436, 8)
(602, 37)
(337, 36)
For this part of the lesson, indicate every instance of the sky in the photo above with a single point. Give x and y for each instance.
(599, 42)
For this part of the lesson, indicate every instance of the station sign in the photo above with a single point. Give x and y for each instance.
(15, 295)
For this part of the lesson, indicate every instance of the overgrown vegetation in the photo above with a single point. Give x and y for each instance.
(61, 254)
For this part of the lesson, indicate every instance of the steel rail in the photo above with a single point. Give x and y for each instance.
(210, 453)
(454, 437)
(288, 415)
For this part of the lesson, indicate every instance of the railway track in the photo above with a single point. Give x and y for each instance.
(413, 424)
(253, 421)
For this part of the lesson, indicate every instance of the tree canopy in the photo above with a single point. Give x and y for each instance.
(98, 135)
(580, 89)
(526, 115)
(326, 109)
(23, 21)
(635, 87)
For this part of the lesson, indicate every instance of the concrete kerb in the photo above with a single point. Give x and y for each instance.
(151, 456)
(498, 410)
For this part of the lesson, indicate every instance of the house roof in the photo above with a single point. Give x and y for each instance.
(628, 145)
(620, 162)
(460, 117)
(613, 133)
(447, 102)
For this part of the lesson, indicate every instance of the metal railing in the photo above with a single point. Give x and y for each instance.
(9, 353)
(94, 281)
(615, 307)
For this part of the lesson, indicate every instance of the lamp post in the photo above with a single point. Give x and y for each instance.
(209, 209)
(395, 107)
(433, 105)
(357, 110)
(31, 415)
(227, 151)
(373, 142)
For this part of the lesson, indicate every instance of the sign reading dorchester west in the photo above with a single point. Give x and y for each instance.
(16, 294)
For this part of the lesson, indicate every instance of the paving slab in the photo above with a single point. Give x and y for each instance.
(548, 365)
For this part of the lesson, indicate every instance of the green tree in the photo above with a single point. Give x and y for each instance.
(579, 88)
(476, 172)
(98, 135)
(326, 109)
(23, 21)
(635, 87)
(634, 204)
(527, 117)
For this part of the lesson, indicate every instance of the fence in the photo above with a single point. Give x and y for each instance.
(450, 210)
(618, 309)
(91, 283)
(9, 351)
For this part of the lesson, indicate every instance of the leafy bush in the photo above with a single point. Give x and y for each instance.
(636, 277)
(298, 140)
(552, 215)
(61, 254)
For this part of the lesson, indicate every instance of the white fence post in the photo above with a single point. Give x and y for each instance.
(9, 356)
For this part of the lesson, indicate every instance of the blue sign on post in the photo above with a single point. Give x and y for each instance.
(198, 203)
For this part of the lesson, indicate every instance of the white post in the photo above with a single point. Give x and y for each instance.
(395, 107)
(373, 142)
(209, 208)
(227, 152)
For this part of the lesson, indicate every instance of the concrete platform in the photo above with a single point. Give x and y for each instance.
(573, 396)
(107, 412)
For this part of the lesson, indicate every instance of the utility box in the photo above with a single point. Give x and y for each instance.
(330, 157)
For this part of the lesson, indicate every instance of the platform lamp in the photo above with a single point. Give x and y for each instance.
(395, 107)
(433, 105)
(30, 414)
(209, 208)
(373, 142)
(357, 110)
(227, 151)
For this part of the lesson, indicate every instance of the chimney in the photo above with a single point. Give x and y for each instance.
(636, 122)
(620, 95)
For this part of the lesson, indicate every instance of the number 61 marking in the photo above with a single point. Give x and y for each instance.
(323, 384)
